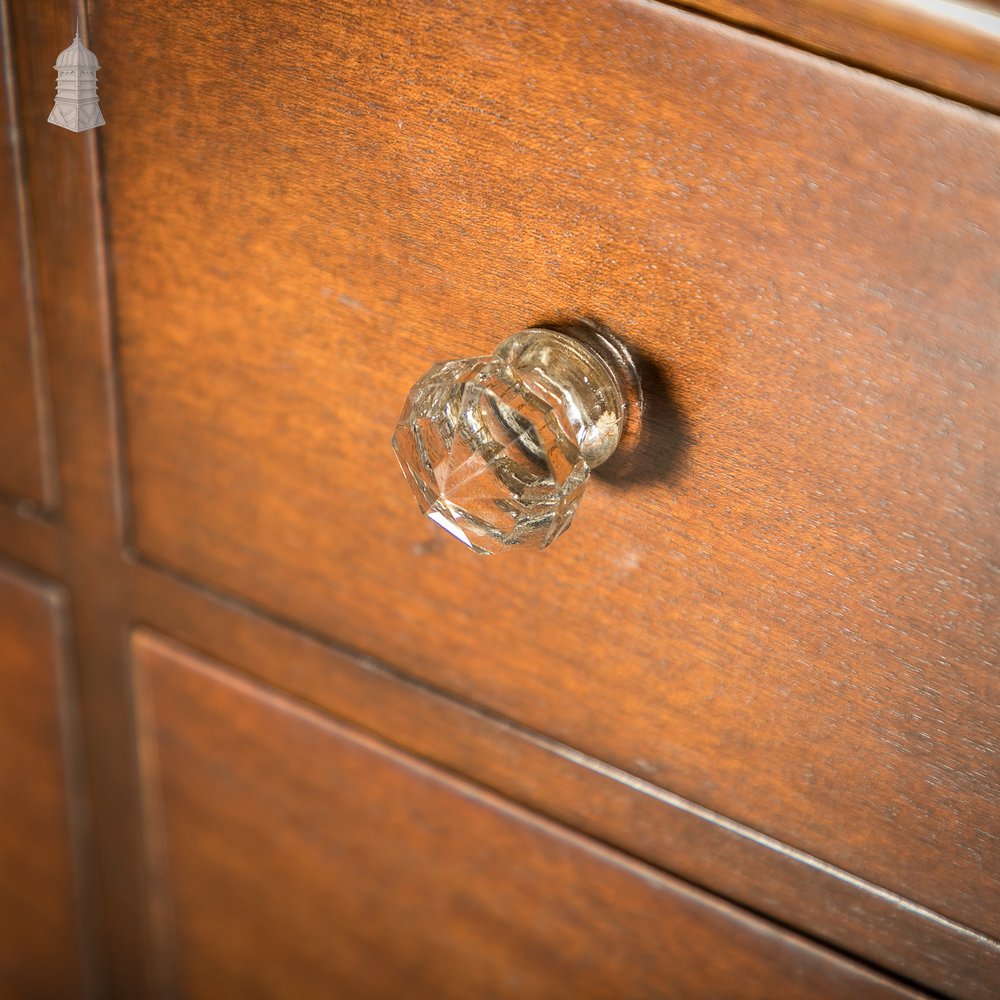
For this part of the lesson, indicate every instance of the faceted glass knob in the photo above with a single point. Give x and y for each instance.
(497, 450)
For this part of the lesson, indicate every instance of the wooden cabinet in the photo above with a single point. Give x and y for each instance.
(762, 665)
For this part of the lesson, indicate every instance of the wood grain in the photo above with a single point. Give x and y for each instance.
(793, 621)
(309, 861)
(951, 48)
(40, 945)
(25, 473)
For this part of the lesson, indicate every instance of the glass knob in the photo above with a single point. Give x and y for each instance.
(498, 449)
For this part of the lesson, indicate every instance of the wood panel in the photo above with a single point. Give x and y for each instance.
(951, 48)
(63, 176)
(787, 613)
(669, 832)
(29, 541)
(305, 860)
(23, 471)
(40, 948)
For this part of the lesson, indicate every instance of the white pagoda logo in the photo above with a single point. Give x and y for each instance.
(76, 106)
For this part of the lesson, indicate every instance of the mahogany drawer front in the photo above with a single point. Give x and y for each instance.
(40, 943)
(786, 612)
(309, 861)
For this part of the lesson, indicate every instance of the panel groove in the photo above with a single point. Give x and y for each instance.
(70, 754)
(81, 820)
(149, 645)
(161, 916)
(85, 554)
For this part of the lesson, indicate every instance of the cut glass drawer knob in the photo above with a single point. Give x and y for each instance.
(498, 449)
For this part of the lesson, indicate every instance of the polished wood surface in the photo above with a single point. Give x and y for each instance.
(40, 946)
(950, 47)
(22, 466)
(671, 833)
(309, 861)
(399, 218)
(787, 612)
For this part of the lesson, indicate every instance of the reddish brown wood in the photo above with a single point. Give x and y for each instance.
(618, 809)
(367, 874)
(29, 541)
(25, 473)
(949, 48)
(40, 945)
(62, 173)
(401, 185)
(791, 618)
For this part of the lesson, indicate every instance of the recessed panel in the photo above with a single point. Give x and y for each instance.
(39, 943)
(301, 860)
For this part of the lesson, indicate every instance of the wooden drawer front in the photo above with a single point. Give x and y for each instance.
(21, 467)
(305, 860)
(39, 945)
(787, 612)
